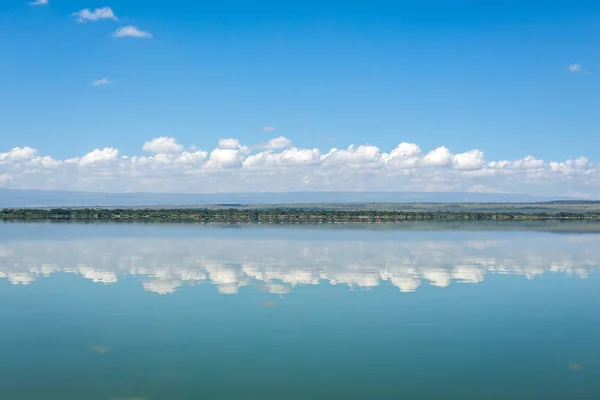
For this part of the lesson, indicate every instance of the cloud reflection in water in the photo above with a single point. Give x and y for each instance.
(279, 265)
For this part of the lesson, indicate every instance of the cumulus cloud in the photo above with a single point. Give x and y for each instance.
(228, 154)
(131, 31)
(438, 157)
(98, 156)
(526, 163)
(226, 158)
(289, 157)
(280, 166)
(229, 144)
(581, 162)
(39, 2)
(405, 155)
(163, 145)
(470, 160)
(95, 15)
(18, 154)
(363, 156)
(405, 150)
(102, 82)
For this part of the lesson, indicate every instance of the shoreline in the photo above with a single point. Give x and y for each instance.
(279, 216)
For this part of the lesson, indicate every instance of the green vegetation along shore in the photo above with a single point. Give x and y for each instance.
(280, 215)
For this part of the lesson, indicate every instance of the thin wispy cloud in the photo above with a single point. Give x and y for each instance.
(102, 82)
(277, 143)
(131, 31)
(268, 128)
(39, 3)
(577, 68)
(95, 15)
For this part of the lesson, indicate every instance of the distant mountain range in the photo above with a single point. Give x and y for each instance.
(37, 198)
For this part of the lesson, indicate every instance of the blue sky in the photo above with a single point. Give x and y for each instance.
(466, 75)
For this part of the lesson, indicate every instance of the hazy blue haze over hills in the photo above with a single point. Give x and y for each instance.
(36, 198)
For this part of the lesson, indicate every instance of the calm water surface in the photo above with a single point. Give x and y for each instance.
(134, 312)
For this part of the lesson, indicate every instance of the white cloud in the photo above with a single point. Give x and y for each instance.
(406, 150)
(279, 166)
(131, 31)
(226, 158)
(405, 155)
(39, 2)
(289, 157)
(163, 145)
(581, 162)
(228, 154)
(277, 143)
(95, 15)
(470, 160)
(98, 156)
(570, 166)
(574, 68)
(528, 162)
(102, 82)
(18, 154)
(230, 144)
(365, 156)
(268, 128)
(438, 157)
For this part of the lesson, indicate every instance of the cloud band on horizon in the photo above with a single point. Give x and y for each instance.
(279, 166)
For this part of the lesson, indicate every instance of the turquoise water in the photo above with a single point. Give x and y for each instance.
(190, 312)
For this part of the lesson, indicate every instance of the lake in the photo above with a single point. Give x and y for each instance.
(414, 311)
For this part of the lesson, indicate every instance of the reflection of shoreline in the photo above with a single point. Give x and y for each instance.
(551, 226)
(165, 264)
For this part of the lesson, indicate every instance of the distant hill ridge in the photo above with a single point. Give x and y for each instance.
(574, 202)
(38, 198)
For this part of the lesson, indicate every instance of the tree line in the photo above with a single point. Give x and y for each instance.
(275, 215)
